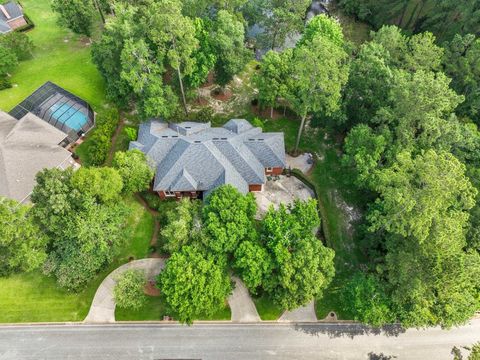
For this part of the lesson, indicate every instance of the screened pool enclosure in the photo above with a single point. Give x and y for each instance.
(59, 108)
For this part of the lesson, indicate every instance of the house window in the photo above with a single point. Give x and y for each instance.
(169, 193)
(269, 169)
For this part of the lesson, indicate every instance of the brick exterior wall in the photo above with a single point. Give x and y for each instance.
(274, 171)
(180, 195)
(255, 188)
(16, 23)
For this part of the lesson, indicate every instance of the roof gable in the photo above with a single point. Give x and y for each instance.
(27, 146)
(196, 157)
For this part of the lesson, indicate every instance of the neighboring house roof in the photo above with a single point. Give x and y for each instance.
(27, 146)
(193, 156)
(8, 12)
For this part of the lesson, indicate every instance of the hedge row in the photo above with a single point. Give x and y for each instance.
(321, 208)
(101, 139)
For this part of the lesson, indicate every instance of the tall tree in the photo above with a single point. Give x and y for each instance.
(134, 170)
(319, 72)
(104, 184)
(280, 19)
(369, 84)
(193, 284)
(204, 57)
(182, 226)
(22, 243)
(271, 80)
(228, 219)
(84, 232)
(174, 34)
(228, 36)
(462, 64)
(365, 298)
(301, 266)
(77, 15)
(8, 61)
(423, 208)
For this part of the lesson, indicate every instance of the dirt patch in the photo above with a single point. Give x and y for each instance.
(151, 289)
(201, 101)
(210, 80)
(85, 41)
(267, 113)
(352, 214)
(223, 96)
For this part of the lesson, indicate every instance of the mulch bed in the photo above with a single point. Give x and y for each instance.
(151, 289)
(222, 96)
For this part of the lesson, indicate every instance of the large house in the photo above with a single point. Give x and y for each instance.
(27, 146)
(191, 159)
(11, 17)
(38, 134)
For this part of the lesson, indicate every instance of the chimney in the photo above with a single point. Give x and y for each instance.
(5, 12)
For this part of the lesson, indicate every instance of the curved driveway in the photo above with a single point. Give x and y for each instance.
(102, 309)
(103, 305)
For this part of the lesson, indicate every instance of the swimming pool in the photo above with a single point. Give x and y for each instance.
(66, 114)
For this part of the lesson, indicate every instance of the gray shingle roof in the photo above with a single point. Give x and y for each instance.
(13, 10)
(196, 157)
(27, 146)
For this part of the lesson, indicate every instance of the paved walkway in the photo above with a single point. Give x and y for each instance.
(102, 309)
(302, 314)
(285, 191)
(241, 304)
(301, 162)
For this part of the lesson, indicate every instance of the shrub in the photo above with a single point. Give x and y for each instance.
(128, 291)
(100, 140)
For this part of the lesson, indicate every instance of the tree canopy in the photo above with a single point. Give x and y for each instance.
(228, 219)
(193, 284)
(22, 244)
(302, 267)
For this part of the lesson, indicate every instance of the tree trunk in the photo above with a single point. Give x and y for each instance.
(271, 112)
(184, 100)
(285, 110)
(97, 5)
(299, 135)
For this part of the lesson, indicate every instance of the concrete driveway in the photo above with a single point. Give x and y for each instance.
(103, 305)
(302, 314)
(282, 191)
(241, 304)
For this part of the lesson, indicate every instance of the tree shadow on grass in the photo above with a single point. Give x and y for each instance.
(349, 330)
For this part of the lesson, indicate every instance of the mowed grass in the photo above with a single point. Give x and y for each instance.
(59, 56)
(34, 297)
(266, 308)
(155, 309)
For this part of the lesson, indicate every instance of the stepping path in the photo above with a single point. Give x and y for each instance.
(302, 314)
(102, 309)
(241, 304)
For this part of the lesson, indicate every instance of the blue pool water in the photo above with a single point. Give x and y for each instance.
(73, 118)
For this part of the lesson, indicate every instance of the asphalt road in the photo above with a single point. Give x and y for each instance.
(229, 341)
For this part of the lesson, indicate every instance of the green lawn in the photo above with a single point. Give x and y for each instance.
(155, 310)
(34, 297)
(266, 308)
(59, 56)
